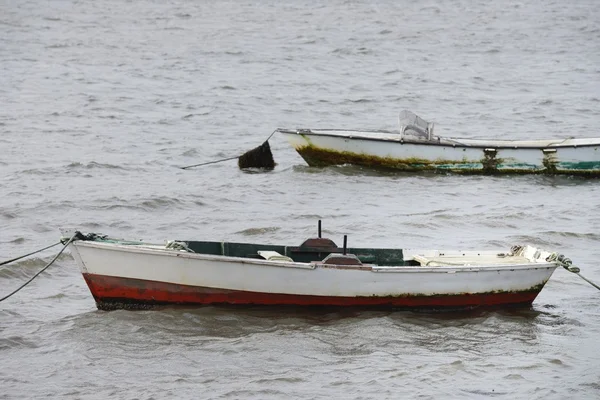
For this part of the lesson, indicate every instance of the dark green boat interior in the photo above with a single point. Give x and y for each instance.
(310, 250)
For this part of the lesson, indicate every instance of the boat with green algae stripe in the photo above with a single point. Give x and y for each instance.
(415, 148)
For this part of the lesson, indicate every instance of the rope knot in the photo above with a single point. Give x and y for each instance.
(175, 245)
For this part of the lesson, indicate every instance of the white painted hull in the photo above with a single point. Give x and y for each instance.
(391, 150)
(208, 279)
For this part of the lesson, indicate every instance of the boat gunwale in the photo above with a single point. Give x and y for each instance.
(162, 251)
(446, 141)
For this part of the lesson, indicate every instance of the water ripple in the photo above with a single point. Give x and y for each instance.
(102, 103)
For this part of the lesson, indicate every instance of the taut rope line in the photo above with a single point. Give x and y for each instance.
(567, 264)
(27, 255)
(43, 269)
(210, 162)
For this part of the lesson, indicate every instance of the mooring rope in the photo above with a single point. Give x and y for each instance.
(27, 255)
(224, 159)
(567, 264)
(587, 280)
(210, 162)
(43, 269)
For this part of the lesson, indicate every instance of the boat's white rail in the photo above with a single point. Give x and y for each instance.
(452, 141)
(164, 251)
(453, 261)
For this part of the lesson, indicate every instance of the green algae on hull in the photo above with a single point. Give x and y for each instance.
(319, 157)
(532, 289)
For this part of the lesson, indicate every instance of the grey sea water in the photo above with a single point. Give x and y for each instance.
(101, 102)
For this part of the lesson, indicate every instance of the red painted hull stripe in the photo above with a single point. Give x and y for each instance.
(107, 289)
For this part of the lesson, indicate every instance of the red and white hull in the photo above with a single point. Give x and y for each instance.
(136, 276)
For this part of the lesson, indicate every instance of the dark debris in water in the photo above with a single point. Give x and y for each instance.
(259, 157)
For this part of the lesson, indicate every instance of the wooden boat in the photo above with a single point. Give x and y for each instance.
(125, 274)
(415, 148)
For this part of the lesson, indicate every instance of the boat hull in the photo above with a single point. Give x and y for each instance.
(113, 293)
(324, 148)
(121, 276)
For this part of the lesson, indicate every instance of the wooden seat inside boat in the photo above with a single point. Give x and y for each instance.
(273, 256)
(341, 259)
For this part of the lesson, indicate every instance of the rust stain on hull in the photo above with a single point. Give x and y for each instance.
(113, 293)
(488, 165)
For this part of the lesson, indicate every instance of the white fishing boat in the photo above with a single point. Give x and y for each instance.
(125, 274)
(414, 147)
